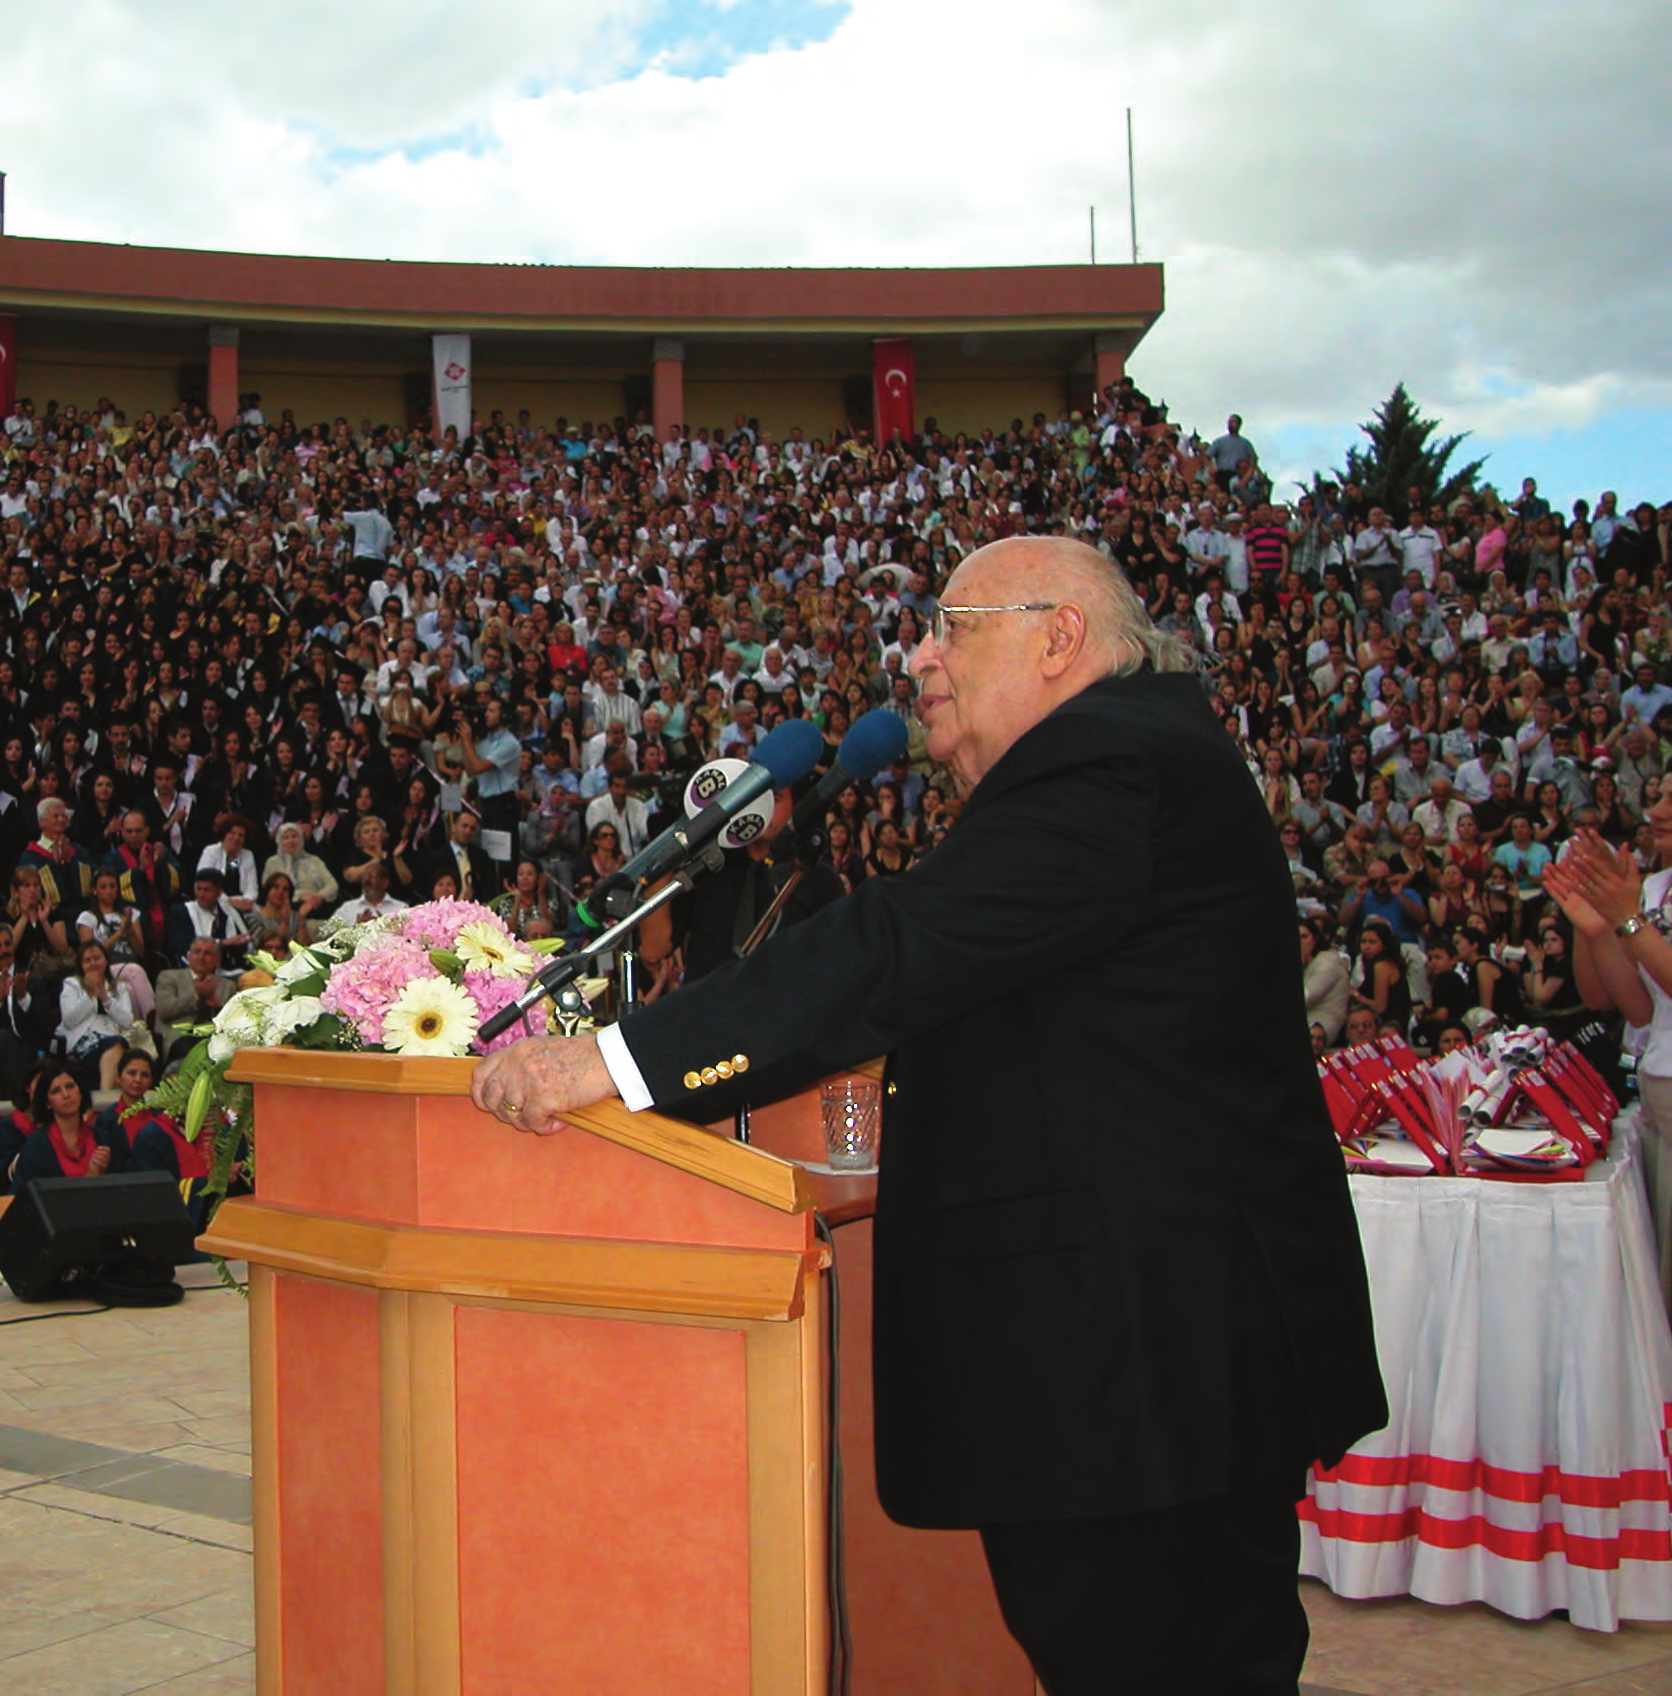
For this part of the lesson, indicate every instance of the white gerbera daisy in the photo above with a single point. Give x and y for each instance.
(484, 947)
(430, 1016)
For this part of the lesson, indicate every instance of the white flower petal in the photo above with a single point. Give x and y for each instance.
(301, 964)
(485, 946)
(291, 1016)
(431, 1016)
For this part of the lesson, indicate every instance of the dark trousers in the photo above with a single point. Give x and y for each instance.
(1196, 1600)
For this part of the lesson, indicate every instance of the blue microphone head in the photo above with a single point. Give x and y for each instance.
(877, 739)
(790, 751)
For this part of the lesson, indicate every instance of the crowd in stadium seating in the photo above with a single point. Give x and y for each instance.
(255, 675)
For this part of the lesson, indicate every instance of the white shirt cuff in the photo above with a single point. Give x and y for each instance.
(623, 1069)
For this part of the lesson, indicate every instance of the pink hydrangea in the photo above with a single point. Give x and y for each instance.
(362, 989)
(436, 924)
(490, 992)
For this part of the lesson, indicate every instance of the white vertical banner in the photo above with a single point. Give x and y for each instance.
(452, 384)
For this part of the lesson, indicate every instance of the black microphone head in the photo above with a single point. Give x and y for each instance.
(878, 739)
(790, 751)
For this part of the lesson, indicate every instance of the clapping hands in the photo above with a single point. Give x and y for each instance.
(1597, 886)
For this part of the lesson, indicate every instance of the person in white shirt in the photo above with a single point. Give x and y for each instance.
(374, 900)
(618, 806)
(234, 862)
(1374, 553)
(1475, 776)
(611, 704)
(1419, 550)
(372, 533)
(1438, 815)
(613, 738)
(1207, 545)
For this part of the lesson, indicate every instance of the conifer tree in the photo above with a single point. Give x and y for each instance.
(1402, 453)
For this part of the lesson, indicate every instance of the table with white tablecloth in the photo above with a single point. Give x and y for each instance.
(1529, 1374)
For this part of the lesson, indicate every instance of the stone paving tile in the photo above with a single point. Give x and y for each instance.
(46, 1556)
(140, 1439)
(230, 1429)
(201, 1454)
(228, 1678)
(223, 1534)
(1655, 1680)
(89, 1504)
(1558, 1657)
(45, 1454)
(171, 1484)
(138, 1476)
(116, 1661)
(228, 1613)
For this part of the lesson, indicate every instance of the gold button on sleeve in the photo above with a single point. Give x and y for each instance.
(709, 1075)
(893, 1088)
(740, 1062)
(692, 1081)
(724, 1068)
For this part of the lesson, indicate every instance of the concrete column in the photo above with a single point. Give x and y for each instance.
(223, 374)
(1108, 359)
(667, 384)
(8, 364)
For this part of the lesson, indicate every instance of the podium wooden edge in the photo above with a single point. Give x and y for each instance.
(730, 1283)
(735, 1166)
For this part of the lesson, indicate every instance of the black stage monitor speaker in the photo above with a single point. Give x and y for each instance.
(111, 1238)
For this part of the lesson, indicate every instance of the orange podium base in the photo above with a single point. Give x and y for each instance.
(547, 1413)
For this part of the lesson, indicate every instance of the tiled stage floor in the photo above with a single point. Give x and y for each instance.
(124, 1535)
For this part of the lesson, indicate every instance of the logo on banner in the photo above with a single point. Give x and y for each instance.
(453, 371)
(894, 380)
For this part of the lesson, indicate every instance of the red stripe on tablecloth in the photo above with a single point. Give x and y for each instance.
(1602, 1553)
(1575, 1489)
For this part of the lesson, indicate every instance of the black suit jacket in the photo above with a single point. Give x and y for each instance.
(1116, 1261)
(487, 879)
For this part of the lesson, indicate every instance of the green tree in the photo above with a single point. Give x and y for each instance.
(1402, 452)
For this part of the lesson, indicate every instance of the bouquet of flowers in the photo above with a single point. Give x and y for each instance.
(420, 981)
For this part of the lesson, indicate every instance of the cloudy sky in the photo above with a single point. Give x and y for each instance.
(1469, 195)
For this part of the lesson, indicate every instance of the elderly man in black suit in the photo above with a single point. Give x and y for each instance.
(1120, 1298)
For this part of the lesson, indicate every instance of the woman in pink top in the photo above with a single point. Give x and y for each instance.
(1493, 543)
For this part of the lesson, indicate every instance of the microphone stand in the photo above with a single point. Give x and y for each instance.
(557, 979)
(808, 848)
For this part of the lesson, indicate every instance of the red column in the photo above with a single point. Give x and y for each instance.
(1109, 358)
(223, 374)
(8, 363)
(667, 384)
(894, 377)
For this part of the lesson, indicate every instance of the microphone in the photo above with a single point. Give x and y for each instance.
(784, 756)
(712, 780)
(878, 739)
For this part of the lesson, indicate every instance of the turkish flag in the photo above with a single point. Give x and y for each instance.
(895, 377)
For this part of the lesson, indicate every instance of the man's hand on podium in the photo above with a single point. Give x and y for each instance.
(532, 1082)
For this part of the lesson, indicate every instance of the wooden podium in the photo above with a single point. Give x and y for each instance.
(548, 1413)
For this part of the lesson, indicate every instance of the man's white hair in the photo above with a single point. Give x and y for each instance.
(1118, 622)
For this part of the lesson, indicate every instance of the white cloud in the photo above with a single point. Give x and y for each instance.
(1466, 198)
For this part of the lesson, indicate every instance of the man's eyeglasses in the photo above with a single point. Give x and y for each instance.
(942, 628)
